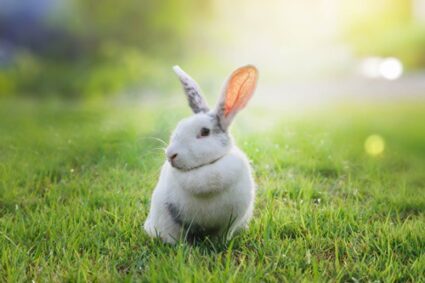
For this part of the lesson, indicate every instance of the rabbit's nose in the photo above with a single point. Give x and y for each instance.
(171, 155)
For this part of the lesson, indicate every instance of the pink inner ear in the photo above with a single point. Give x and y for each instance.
(240, 89)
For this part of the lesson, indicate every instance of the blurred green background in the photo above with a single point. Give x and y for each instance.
(85, 49)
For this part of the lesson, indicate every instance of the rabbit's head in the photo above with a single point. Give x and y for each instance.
(204, 138)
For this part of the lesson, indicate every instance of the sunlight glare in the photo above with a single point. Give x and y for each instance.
(391, 68)
(370, 67)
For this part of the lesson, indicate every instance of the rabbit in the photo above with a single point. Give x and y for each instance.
(206, 185)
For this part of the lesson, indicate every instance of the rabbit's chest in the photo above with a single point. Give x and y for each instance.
(211, 182)
(211, 211)
(210, 197)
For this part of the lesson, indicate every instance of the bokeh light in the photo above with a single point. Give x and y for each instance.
(391, 68)
(387, 68)
(374, 145)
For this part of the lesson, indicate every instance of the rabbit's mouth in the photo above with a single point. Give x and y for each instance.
(186, 169)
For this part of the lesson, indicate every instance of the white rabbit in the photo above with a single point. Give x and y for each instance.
(205, 186)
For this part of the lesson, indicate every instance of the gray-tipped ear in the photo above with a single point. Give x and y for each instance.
(192, 90)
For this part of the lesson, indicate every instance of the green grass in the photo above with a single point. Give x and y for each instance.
(75, 184)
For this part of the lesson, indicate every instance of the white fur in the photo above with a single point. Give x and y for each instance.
(209, 196)
(210, 182)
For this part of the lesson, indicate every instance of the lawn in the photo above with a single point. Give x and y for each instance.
(76, 180)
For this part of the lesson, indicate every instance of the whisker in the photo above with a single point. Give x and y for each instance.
(156, 139)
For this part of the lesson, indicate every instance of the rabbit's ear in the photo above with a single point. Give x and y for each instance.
(192, 90)
(238, 89)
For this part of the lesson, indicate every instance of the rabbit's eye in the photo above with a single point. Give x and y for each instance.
(205, 132)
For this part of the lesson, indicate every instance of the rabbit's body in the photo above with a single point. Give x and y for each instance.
(206, 186)
(216, 198)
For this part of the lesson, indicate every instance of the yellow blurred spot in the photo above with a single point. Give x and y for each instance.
(374, 145)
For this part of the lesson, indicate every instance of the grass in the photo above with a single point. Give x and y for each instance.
(75, 184)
